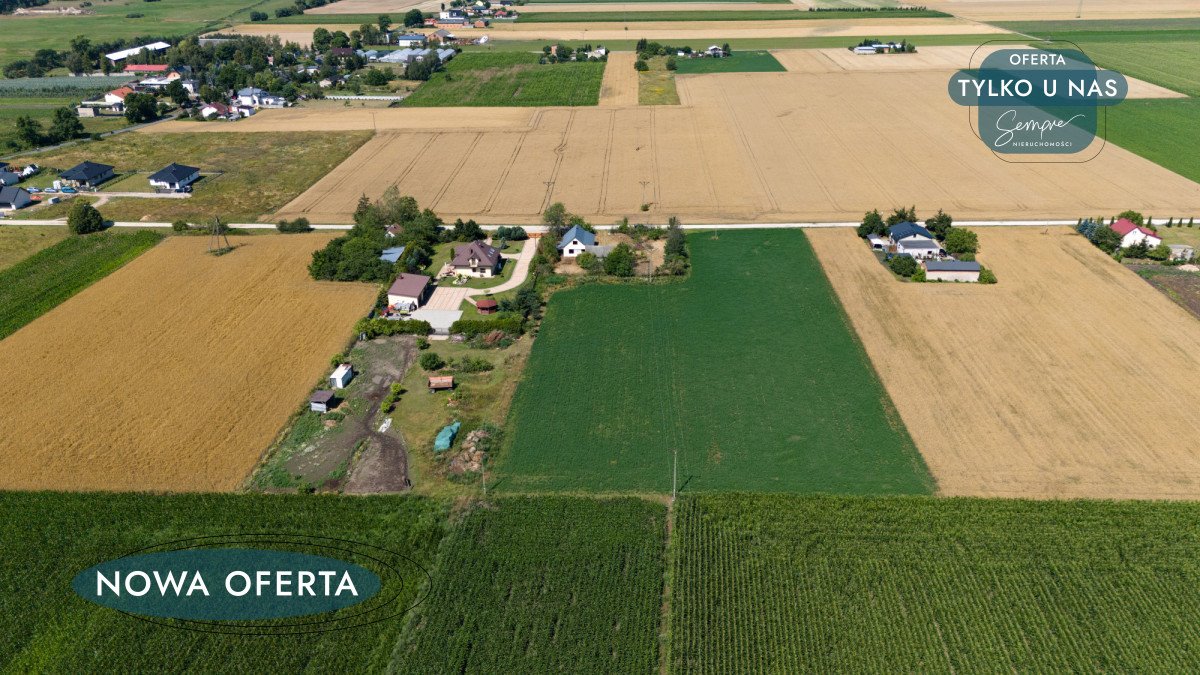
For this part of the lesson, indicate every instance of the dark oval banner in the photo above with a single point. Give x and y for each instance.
(226, 584)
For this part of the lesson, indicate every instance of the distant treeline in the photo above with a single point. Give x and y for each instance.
(9, 6)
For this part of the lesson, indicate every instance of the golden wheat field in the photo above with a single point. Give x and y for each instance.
(743, 147)
(1071, 377)
(175, 372)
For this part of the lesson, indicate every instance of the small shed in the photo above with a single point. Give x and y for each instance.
(1182, 252)
(441, 382)
(952, 270)
(341, 376)
(320, 401)
(877, 242)
(487, 306)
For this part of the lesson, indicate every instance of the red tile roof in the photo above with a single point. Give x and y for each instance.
(146, 68)
(1124, 226)
(121, 92)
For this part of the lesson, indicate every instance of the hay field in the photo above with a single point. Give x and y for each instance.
(744, 147)
(1040, 10)
(174, 373)
(1070, 378)
(620, 84)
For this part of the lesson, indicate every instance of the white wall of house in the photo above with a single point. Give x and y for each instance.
(481, 272)
(403, 301)
(1136, 236)
(918, 253)
(951, 276)
(573, 249)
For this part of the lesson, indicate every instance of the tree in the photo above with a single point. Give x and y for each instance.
(640, 66)
(65, 126)
(414, 18)
(514, 233)
(385, 22)
(1106, 239)
(180, 226)
(175, 91)
(872, 223)
(902, 215)
(29, 131)
(588, 261)
(961, 241)
(375, 77)
(939, 225)
(431, 361)
(83, 218)
(620, 261)
(468, 231)
(321, 38)
(903, 265)
(1132, 216)
(555, 217)
(671, 65)
(726, 48)
(140, 108)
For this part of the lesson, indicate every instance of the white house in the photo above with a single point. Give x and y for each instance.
(258, 98)
(408, 292)
(116, 97)
(476, 259)
(1133, 234)
(914, 240)
(951, 270)
(575, 241)
(865, 49)
(211, 110)
(174, 178)
(341, 376)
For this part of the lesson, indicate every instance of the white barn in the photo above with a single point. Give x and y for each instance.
(951, 270)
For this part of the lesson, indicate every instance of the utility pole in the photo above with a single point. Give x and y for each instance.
(644, 183)
(549, 191)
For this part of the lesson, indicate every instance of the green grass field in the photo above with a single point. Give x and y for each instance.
(1174, 65)
(1163, 131)
(533, 16)
(510, 79)
(257, 173)
(749, 369)
(933, 585)
(738, 62)
(21, 36)
(50, 537)
(1141, 30)
(45, 279)
(821, 42)
(19, 242)
(42, 110)
(545, 585)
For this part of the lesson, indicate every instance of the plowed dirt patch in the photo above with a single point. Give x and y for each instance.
(174, 373)
(1071, 377)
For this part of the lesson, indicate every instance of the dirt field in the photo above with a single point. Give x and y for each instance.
(193, 364)
(393, 8)
(769, 147)
(944, 59)
(546, 7)
(1033, 10)
(1072, 377)
(620, 84)
(664, 30)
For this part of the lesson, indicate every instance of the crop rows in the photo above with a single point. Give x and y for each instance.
(510, 79)
(792, 584)
(545, 585)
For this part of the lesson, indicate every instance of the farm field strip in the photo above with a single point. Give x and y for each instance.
(1064, 10)
(819, 584)
(810, 128)
(702, 362)
(1024, 379)
(190, 357)
(620, 84)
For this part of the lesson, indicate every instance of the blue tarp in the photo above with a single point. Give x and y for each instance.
(391, 254)
(445, 437)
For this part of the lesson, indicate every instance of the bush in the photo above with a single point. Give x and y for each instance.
(620, 261)
(588, 261)
(961, 241)
(468, 364)
(919, 275)
(422, 343)
(258, 16)
(180, 226)
(640, 66)
(986, 276)
(903, 265)
(374, 328)
(300, 224)
(1160, 252)
(431, 361)
(671, 65)
(83, 218)
(475, 327)
(389, 401)
(511, 233)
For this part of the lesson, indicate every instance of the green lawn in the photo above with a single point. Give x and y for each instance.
(18, 242)
(545, 586)
(510, 79)
(749, 369)
(534, 16)
(254, 174)
(1174, 65)
(738, 62)
(47, 278)
(656, 84)
(42, 110)
(50, 537)
(1108, 29)
(822, 585)
(1165, 131)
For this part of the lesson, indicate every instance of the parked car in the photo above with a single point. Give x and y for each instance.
(50, 191)
(33, 190)
(68, 191)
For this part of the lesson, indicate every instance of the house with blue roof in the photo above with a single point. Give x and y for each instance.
(901, 231)
(912, 239)
(575, 241)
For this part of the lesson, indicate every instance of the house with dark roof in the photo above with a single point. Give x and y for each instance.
(476, 259)
(951, 270)
(912, 239)
(408, 292)
(9, 178)
(13, 198)
(1133, 234)
(87, 175)
(575, 241)
(174, 178)
(901, 231)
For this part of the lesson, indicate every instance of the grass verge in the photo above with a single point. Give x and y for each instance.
(19, 242)
(738, 62)
(510, 79)
(46, 279)
(656, 86)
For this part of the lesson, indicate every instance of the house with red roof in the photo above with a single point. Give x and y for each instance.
(1133, 234)
(147, 68)
(117, 96)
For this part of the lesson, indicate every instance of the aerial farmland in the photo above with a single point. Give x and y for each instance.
(582, 336)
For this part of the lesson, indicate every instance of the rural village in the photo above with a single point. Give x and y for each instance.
(623, 336)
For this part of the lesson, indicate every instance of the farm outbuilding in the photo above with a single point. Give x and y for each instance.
(341, 376)
(952, 270)
(1182, 252)
(441, 382)
(321, 401)
(408, 291)
(392, 255)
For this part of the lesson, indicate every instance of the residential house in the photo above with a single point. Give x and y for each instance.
(1182, 252)
(116, 97)
(174, 178)
(341, 376)
(9, 178)
(476, 259)
(251, 96)
(410, 40)
(451, 14)
(575, 241)
(951, 270)
(392, 255)
(13, 198)
(1133, 234)
(153, 48)
(87, 175)
(715, 51)
(393, 230)
(339, 52)
(408, 292)
(912, 239)
(211, 110)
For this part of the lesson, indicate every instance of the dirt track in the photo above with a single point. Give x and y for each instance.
(745, 147)
(620, 84)
(174, 373)
(1070, 378)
